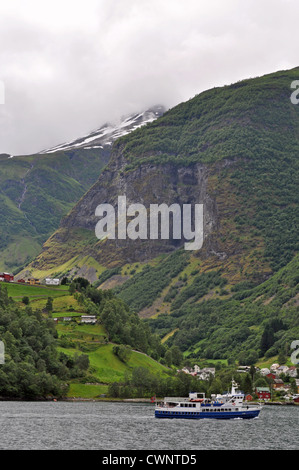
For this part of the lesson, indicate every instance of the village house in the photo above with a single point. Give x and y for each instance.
(187, 370)
(263, 393)
(278, 384)
(281, 370)
(265, 371)
(206, 373)
(274, 367)
(292, 372)
(201, 374)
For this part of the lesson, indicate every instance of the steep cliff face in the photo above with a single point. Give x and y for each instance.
(209, 185)
(146, 185)
(232, 149)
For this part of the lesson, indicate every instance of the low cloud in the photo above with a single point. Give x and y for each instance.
(70, 66)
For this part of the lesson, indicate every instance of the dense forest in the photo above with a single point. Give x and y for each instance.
(32, 366)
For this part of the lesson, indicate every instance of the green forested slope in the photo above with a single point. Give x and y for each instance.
(35, 192)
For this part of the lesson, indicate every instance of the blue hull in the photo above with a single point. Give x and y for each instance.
(214, 415)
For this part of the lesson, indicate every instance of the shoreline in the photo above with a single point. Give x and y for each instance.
(148, 400)
(123, 400)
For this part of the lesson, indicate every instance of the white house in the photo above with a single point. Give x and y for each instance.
(265, 371)
(282, 370)
(52, 282)
(292, 371)
(206, 372)
(88, 319)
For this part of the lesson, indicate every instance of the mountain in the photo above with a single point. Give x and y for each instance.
(37, 190)
(109, 132)
(233, 149)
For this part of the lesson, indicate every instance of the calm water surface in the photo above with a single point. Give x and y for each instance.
(132, 426)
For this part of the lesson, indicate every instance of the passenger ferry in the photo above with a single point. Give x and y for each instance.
(227, 406)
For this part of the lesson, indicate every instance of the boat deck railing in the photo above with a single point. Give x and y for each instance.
(176, 399)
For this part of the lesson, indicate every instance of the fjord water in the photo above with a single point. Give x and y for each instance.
(132, 426)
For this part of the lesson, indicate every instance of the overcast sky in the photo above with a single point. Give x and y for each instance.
(68, 66)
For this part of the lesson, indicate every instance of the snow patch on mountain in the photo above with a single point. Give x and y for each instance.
(108, 133)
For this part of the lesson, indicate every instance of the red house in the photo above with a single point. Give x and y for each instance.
(263, 393)
(7, 277)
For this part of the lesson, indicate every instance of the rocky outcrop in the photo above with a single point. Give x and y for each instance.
(147, 184)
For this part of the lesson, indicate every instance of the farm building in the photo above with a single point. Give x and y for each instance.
(52, 282)
(6, 277)
(88, 319)
(33, 281)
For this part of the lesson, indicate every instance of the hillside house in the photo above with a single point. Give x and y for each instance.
(88, 319)
(263, 393)
(278, 384)
(187, 370)
(6, 277)
(206, 373)
(265, 371)
(292, 371)
(201, 374)
(243, 369)
(281, 370)
(52, 282)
